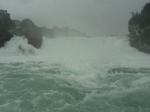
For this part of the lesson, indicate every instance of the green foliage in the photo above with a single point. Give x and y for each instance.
(139, 28)
(5, 25)
(142, 19)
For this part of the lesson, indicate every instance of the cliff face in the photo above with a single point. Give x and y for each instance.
(5, 25)
(139, 29)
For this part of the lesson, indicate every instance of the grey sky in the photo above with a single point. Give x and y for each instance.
(94, 17)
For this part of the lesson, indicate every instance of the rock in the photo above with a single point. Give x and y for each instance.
(26, 28)
(6, 25)
(31, 32)
(139, 29)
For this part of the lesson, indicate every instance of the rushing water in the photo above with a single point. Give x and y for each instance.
(81, 74)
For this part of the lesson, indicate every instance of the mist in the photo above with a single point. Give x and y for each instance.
(94, 17)
(44, 68)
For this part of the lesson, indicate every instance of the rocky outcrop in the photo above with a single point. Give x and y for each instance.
(31, 32)
(6, 24)
(139, 29)
(25, 28)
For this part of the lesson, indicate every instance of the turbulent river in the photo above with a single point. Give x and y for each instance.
(102, 74)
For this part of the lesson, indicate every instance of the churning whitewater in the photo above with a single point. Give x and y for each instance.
(102, 74)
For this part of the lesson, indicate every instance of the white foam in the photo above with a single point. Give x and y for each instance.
(77, 52)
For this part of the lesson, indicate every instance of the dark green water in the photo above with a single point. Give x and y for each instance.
(39, 87)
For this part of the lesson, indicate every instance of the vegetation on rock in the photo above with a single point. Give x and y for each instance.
(5, 25)
(139, 29)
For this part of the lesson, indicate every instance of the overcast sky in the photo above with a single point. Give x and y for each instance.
(94, 17)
